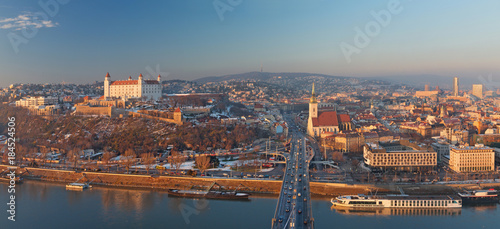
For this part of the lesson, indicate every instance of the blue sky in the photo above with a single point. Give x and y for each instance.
(187, 39)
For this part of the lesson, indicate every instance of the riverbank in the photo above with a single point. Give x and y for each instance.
(261, 186)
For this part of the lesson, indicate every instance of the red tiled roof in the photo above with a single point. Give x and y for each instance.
(124, 82)
(86, 98)
(327, 118)
(101, 98)
(344, 118)
(177, 110)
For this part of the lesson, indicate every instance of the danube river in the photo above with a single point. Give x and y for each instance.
(49, 205)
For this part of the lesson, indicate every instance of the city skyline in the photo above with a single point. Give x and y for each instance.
(79, 42)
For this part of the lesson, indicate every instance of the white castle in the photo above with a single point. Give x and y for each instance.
(140, 88)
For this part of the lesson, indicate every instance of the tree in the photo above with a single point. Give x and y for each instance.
(355, 163)
(202, 162)
(147, 160)
(337, 156)
(176, 159)
(106, 157)
(129, 158)
(73, 156)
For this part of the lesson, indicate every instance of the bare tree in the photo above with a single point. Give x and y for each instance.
(355, 163)
(202, 162)
(147, 160)
(129, 158)
(106, 157)
(73, 156)
(337, 156)
(176, 159)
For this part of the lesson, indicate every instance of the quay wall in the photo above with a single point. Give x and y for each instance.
(248, 185)
(169, 182)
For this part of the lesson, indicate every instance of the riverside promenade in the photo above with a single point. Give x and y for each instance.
(252, 185)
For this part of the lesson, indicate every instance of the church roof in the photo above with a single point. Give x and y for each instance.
(344, 118)
(327, 118)
(330, 118)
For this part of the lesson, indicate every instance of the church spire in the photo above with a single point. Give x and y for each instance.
(313, 96)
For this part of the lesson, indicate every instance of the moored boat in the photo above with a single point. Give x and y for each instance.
(396, 201)
(477, 197)
(77, 186)
(18, 180)
(209, 194)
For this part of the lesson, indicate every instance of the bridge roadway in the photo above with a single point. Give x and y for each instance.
(294, 204)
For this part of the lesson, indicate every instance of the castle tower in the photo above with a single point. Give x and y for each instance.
(159, 79)
(106, 86)
(139, 84)
(313, 112)
(178, 115)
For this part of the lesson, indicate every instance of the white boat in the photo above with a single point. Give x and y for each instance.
(77, 186)
(396, 201)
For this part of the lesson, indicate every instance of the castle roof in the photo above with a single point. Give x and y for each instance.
(125, 82)
(133, 82)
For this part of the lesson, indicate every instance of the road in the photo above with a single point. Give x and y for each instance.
(293, 209)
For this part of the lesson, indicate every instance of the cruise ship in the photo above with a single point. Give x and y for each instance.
(398, 211)
(396, 201)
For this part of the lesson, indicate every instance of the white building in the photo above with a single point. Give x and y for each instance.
(472, 159)
(37, 101)
(477, 90)
(140, 88)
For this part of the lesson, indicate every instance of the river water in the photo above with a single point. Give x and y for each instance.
(50, 205)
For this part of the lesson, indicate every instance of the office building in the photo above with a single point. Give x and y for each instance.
(472, 159)
(455, 86)
(477, 90)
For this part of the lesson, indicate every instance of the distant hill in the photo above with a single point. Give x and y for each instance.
(444, 82)
(260, 76)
